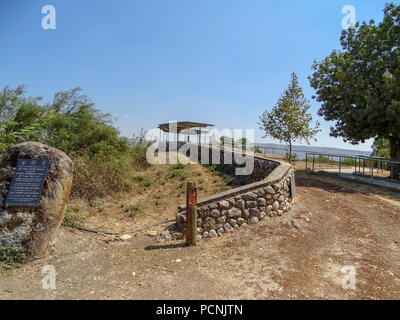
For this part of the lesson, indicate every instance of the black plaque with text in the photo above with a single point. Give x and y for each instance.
(27, 183)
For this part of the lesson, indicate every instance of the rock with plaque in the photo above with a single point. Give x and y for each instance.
(35, 182)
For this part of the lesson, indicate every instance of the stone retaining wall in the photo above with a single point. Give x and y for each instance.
(267, 192)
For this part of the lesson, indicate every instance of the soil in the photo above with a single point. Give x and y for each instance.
(300, 255)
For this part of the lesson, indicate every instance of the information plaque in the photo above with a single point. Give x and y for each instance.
(27, 183)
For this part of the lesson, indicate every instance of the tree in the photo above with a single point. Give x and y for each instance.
(288, 120)
(241, 143)
(381, 148)
(359, 87)
(12, 130)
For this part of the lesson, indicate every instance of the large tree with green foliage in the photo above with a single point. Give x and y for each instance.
(289, 120)
(359, 86)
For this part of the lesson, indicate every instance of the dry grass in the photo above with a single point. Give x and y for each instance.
(157, 192)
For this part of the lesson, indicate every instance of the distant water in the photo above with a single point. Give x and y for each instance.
(300, 151)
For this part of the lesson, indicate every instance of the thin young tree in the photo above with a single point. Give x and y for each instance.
(289, 120)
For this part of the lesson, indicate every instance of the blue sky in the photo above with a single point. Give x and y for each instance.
(151, 61)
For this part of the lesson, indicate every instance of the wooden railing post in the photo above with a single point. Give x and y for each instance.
(191, 214)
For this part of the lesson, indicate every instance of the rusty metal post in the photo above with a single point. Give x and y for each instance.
(191, 214)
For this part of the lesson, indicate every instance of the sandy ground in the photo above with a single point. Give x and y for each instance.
(297, 256)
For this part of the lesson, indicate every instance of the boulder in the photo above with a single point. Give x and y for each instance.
(33, 228)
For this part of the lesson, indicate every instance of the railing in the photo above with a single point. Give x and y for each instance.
(373, 167)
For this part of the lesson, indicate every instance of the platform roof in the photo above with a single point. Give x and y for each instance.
(182, 125)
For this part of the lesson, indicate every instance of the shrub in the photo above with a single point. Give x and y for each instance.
(291, 158)
(71, 220)
(178, 174)
(178, 166)
(101, 174)
(104, 161)
(11, 257)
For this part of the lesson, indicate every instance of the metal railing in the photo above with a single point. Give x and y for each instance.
(373, 167)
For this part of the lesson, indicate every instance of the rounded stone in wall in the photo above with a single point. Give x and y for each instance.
(223, 205)
(269, 190)
(232, 222)
(228, 227)
(221, 219)
(249, 197)
(215, 213)
(240, 204)
(251, 204)
(212, 234)
(209, 223)
(261, 202)
(234, 213)
(219, 225)
(260, 192)
(277, 187)
(254, 212)
(253, 220)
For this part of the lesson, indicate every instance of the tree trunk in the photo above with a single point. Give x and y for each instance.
(395, 155)
(290, 151)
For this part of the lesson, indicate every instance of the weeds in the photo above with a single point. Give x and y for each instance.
(178, 166)
(71, 221)
(133, 209)
(11, 257)
(178, 174)
(143, 181)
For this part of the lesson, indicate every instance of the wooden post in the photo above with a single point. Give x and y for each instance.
(340, 165)
(191, 214)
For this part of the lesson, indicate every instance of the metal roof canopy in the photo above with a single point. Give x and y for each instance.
(179, 126)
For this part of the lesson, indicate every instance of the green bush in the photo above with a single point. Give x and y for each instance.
(104, 161)
(178, 174)
(292, 158)
(11, 257)
(178, 166)
(349, 162)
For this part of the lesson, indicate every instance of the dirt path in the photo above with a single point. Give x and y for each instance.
(297, 256)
